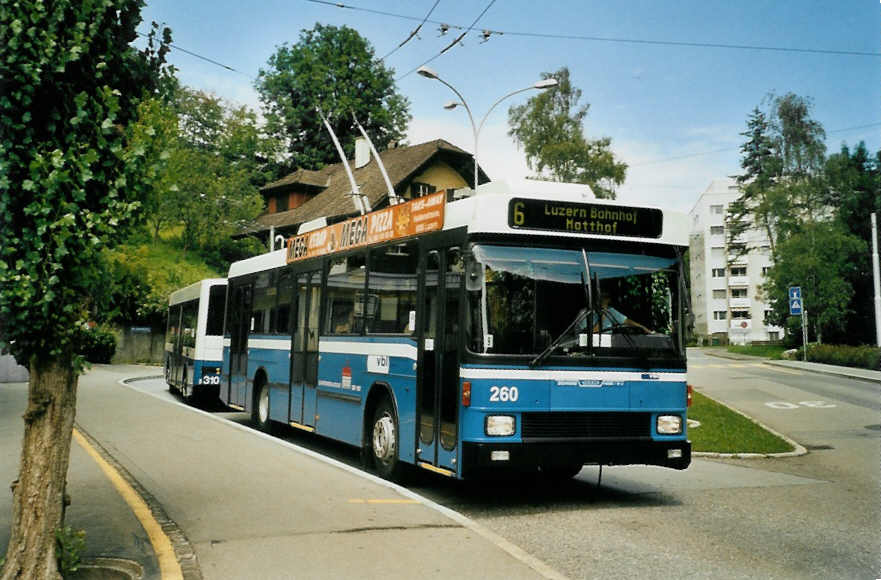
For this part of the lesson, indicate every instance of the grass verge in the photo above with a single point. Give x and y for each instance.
(724, 431)
(771, 351)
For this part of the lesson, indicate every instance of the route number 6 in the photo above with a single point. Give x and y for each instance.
(503, 394)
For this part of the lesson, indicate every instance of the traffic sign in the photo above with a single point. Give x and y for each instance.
(795, 301)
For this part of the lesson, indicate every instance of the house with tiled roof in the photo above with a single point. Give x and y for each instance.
(413, 171)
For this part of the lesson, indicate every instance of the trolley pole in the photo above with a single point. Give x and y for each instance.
(877, 279)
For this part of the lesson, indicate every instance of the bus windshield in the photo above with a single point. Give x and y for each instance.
(542, 302)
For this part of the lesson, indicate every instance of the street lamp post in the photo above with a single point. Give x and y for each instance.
(475, 128)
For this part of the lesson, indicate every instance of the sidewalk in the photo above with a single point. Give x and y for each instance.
(253, 506)
(832, 370)
(112, 530)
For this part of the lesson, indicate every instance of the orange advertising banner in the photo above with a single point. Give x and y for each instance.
(424, 214)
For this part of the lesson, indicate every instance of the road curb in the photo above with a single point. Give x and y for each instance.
(798, 450)
(824, 372)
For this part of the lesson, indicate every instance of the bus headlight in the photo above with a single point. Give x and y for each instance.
(500, 425)
(669, 424)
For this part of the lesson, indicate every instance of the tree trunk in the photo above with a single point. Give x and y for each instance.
(39, 492)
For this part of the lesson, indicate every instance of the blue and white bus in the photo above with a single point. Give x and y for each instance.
(502, 330)
(194, 339)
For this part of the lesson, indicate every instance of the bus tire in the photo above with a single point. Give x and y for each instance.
(384, 441)
(260, 408)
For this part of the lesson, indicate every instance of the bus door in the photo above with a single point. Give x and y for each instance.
(241, 298)
(304, 347)
(438, 376)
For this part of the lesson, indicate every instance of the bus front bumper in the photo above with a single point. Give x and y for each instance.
(531, 455)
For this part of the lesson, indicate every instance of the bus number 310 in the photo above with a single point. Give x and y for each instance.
(503, 394)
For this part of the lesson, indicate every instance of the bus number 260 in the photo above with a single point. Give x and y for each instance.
(503, 394)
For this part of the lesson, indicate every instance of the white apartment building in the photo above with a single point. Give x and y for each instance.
(727, 298)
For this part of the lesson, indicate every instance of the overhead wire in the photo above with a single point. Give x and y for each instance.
(413, 33)
(619, 39)
(451, 45)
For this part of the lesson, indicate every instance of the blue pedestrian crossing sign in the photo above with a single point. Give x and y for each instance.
(795, 301)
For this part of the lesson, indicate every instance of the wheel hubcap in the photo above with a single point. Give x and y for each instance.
(384, 438)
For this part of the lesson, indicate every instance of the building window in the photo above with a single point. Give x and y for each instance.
(738, 293)
(719, 294)
(420, 189)
(718, 272)
(281, 202)
(774, 335)
(717, 230)
(765, 270)
(738, 270)
(740, 315)
(719, 315)
(716, 209)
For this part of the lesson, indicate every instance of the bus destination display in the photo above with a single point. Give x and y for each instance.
(585, 218)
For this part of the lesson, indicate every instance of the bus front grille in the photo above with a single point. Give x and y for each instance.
(585, 426)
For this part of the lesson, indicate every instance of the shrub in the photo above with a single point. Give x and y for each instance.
(69, 547)
(98, 344)
(867, 357)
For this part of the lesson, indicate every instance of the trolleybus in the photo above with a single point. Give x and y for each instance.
(194, 339)
(499, 331)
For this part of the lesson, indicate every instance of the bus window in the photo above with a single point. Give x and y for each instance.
(281, 318)
(392, 289)
(345, 294)
(190, 311)
(216, 302)
(264, 304)
(173, 330)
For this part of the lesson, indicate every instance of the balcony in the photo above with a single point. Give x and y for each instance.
(740, 302)
(738, 281)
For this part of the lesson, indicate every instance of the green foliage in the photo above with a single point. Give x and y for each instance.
(865, 357)
(98, 344)
(819, 259)
(72, 169)
(143, 277)
(69, 547)
(550, 129)
(334, 69)
(724, 431)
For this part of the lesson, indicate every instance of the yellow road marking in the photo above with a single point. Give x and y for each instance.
(169, 567)
(383, 501)
(776, 368)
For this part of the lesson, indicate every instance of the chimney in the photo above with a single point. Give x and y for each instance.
(362, 152)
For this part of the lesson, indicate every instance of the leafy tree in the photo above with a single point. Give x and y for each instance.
(782, 160)
(73, 169)
(334, 69)
(550, 128)
(854, 189)
(820, 259)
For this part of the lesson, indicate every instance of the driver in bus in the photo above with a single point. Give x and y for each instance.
(612, 318)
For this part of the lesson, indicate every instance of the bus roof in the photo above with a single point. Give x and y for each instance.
(562, 210)
(193, 291)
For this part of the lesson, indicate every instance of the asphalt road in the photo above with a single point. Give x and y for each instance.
(814, 516)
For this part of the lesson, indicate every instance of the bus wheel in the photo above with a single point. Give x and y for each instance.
(384, 441)
(260, 408)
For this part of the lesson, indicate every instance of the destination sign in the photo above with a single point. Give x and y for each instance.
(424, 214)
(585, 218)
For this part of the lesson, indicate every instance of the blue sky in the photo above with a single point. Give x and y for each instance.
(674, 113)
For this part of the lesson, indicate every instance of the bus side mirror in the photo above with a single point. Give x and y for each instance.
(473, 276)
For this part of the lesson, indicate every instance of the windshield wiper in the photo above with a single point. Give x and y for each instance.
(551, 347)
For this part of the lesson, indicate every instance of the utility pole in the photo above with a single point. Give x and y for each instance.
(877, 278)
